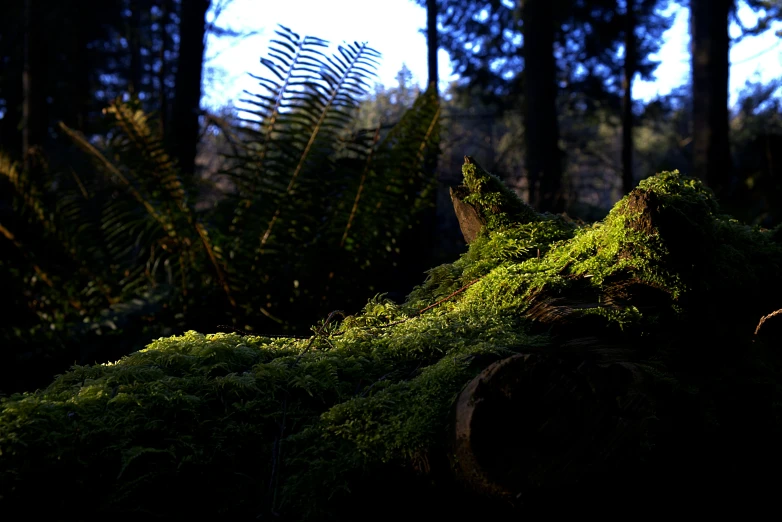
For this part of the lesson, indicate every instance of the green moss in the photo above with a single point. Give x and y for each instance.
(496, 204)
(216, 417)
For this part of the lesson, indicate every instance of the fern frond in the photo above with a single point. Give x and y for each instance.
(333, 98)
(27, 191)
(114, 170)
(361, 184)
(56, 227)
(151, 177)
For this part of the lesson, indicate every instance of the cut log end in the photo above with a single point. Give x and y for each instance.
(537, 420)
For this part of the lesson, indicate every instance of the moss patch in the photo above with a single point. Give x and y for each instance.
(249, 425)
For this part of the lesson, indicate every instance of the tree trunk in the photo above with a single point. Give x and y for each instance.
(710, 66)
(187, 96)
(10, 137)
(134, 40)
(80, 60)
(544, 169)
(163, 93)
(627, 102)
(34, 114)
(431, 41)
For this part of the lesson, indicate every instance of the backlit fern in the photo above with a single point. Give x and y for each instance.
(316, 208)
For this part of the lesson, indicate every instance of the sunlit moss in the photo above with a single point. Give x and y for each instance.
(202, 415)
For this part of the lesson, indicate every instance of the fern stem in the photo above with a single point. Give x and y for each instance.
(360, 187)
(428, 133)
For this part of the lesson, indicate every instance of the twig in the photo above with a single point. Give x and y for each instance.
(320, 332)
(766, 317)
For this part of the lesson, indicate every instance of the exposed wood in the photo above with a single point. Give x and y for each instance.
(543, 421)
(470, 221)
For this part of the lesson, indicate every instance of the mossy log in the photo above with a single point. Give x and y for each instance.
(536, 420)
(553, 357)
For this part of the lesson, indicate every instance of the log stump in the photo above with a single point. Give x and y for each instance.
(536, 421)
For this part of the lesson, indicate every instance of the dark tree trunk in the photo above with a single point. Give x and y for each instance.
(544, 168)
(187, 96)
(134, 40)
(75, 106)
(10, 137)
(627, 102)
(163, 93)
(34, 114)
(710, 65)
(431, 41)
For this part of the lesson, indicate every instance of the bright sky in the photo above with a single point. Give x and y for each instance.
(392, 28)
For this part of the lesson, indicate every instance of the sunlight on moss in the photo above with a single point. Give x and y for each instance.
(204, 413)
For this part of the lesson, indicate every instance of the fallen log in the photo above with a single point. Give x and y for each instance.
(535, 421)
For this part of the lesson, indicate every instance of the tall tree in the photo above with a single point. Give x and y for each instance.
(187, 97)
(544, 158)
(485, 40)
(627, 99)
(11, 67)
(162, 73)
(34, 117)
(431, 42)
(710, 69)
(134, 42)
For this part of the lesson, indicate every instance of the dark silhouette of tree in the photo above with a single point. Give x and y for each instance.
(187, 97)
(710, 46)
(162, 74)
(11, 67)
(544, 167)
(103, 49)
(134, 43)
(627, 99)
(710, 69)
(486, 43)
(431, 42)
(34, 114)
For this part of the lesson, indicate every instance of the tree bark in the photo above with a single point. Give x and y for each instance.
(544, 168)
(134, 40)
(12, 93)
(162, 72)
(431, 42)
(627, 102)
(34, 114)
(710, 68)
(187, 97)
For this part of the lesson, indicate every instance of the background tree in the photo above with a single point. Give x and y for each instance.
(187, 97)
(710, 68)
(486, 45)
(432, 42)
(630, 66)
(34, 114)
(544, 157)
